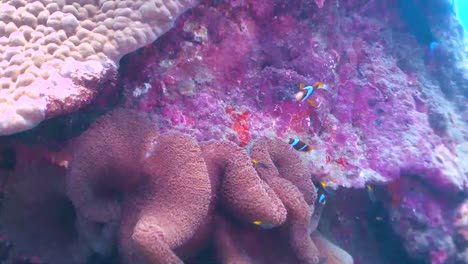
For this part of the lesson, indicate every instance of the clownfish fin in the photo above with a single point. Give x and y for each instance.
(301, 86)
(324, 86)
(300, 95)
(311, 102)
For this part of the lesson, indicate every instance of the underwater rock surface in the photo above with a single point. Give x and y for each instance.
(230, 70)
(393, 121)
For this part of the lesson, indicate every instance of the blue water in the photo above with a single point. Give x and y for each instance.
(461, 9)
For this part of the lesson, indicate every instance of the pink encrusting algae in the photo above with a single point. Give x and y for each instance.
(373, 125)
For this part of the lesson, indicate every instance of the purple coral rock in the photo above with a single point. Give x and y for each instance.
(383, 118)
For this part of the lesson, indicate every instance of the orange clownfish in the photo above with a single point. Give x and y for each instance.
(300, 145)
(306, 91)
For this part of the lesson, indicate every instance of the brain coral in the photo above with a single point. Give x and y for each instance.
(54, 54)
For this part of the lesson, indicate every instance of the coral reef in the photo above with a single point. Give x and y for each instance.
(290, 180)
(197, 167)
(56, 55)
(241, 244)
(195, 65)
(230, 71)
(163, 198)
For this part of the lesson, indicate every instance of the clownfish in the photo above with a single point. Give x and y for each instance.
(322, 194)
(326, 187)
(263, 225)
(300, 145)
(322, 199)
(319, 205)
(306, 91)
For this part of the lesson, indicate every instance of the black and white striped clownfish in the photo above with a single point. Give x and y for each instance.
(300, 145)
(305, 92)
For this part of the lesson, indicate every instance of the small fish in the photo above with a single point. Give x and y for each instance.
(315, 217)
(370, 192)
(322, 193)
(326, 187)
(320, 204)
(379, 218)
(322, 199)
(306, 91)
(300, 145)
(261, 164)
(263, 225)
(324, 184)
